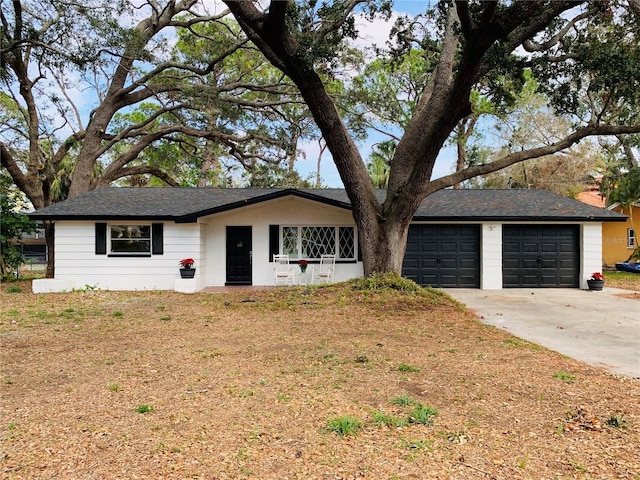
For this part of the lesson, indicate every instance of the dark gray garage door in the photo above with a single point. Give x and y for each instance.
(540, 256)
(443, 255)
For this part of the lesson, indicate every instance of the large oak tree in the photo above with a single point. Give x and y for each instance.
(466, 43)
(215, 94)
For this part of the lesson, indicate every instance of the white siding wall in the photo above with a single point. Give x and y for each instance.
(77, 265)
(283, 211)
(591, 251)
(491, 256)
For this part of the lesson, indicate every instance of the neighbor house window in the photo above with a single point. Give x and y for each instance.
(631, 238)
(130, 238)
(312, 242)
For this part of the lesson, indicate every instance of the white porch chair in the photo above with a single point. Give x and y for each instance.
(323, 273)
(282, 270)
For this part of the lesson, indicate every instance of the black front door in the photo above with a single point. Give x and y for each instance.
(238, 256)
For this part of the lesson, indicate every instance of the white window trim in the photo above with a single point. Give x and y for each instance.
(631, 238)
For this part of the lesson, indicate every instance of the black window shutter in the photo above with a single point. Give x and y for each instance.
(157, 240)
(359, 250)
(101, 238)
(274, 241)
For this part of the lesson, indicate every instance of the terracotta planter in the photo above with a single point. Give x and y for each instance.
(596, 285)
(187, 272)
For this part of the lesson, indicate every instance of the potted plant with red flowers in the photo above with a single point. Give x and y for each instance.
(596, 282)
(303, 265)
(187, 271)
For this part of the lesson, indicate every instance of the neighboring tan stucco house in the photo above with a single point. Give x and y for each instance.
(133, 238)
(619, 239)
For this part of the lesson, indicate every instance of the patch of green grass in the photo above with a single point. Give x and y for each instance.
(144, 409)
(403, 367)
(86, 288)
(616, 421)
(565, 377)
(118, 314)
(68, 313)
(578, 466)
(403, 400)
(114, 387)
(12, 426)
(522, 464)
(345, 425)
(238, 392)
(418, 444)
(14, 289)
(386, 281)
(383, 419)
(519, 343)
(210, 354)
(41, 314)
(422, 414)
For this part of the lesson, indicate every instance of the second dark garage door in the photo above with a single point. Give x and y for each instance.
(443, 255)
(540, 256)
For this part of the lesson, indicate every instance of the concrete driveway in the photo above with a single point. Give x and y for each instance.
(598, 328)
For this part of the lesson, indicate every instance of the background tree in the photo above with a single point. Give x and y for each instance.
(470, 41)
(14, 223)
(531, 122)
(627, 194)
(379, 162)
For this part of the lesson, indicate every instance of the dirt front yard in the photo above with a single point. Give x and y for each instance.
(349, 381)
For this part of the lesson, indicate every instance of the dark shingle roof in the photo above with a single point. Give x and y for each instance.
(187, 204)
(513, 204)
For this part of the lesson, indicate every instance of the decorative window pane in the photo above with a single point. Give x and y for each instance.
(290, 241)
(130, 238)
(346, 242)
(313, 242)
(631, 238)
(317, 241)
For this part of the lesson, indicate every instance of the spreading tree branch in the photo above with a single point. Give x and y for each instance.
(517, 157)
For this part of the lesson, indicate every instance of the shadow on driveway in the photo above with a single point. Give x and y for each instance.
(598, 328)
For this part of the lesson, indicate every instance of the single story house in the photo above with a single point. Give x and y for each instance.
(133, 238)
(619, 240)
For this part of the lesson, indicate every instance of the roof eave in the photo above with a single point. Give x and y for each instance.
(192, 217)
(426, 218)
(35, 216)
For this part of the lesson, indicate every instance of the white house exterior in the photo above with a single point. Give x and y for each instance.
(134, 238)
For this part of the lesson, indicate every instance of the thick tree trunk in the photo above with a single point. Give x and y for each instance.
(383, 247)
(49, 235)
